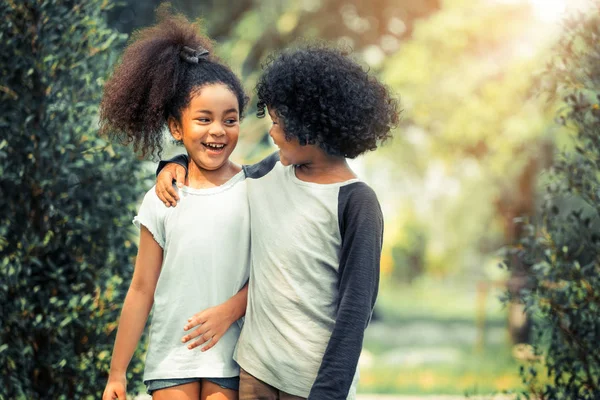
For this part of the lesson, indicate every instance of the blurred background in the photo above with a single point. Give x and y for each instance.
(465, 171)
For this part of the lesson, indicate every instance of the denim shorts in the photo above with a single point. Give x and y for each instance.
(226, 383)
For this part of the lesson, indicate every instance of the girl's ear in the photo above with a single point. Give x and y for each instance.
(175, 128)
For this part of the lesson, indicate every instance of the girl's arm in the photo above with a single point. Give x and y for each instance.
(215, 321)
(134, 314)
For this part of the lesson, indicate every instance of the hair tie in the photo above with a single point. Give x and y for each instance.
(193, 56)
(260, 112)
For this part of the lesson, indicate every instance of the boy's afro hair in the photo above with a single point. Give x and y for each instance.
(325, 98)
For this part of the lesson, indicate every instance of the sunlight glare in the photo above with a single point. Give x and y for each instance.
(549, 10)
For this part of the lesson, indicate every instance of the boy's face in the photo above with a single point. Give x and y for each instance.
(291, 152)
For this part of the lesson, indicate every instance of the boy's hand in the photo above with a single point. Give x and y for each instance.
(116, 388)
(164, 183)
(213, 323)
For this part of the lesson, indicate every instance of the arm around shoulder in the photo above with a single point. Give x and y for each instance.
(167, 171)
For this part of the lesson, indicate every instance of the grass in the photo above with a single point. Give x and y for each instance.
(425, 340)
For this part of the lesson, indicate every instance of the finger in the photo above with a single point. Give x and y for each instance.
(197, 319)
(173, 193)
(203, 339)
(215, 340)
(109, 394)
(166, 198)
(160, 188)
(164, 179)
(198, 332)
(121, 394)
(180, 176)
(164, 188)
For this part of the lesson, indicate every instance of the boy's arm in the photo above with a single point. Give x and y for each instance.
(215, 321)
(167, 171)
(361, 227)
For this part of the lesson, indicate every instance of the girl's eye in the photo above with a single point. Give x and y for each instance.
(231, 121)
(204, 120)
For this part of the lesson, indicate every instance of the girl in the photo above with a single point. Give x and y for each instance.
(195, 256)
(316, 229)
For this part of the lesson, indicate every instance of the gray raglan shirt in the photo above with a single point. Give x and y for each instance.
(315, 251)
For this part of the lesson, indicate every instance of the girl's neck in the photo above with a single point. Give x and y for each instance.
(325, 169)
(200, 178)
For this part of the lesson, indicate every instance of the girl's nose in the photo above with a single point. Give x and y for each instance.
(216, 130)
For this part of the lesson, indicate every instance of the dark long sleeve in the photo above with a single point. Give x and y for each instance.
(181, 159)
(361, 228)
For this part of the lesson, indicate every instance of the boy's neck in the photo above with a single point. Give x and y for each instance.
(200, 178)
(325, 169)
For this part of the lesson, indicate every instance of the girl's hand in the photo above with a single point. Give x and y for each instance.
(213, 323)
(164, 183)
(116, 388)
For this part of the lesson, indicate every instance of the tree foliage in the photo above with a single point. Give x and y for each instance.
(67, 199)
(563, 244)
(473, 132)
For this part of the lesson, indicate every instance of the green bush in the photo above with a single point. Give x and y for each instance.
(67, 200)
(562, 246)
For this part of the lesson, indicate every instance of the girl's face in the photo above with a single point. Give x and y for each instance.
(290, 151)
(209, 126)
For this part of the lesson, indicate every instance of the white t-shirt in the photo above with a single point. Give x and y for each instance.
(313, 283)
(206, 245)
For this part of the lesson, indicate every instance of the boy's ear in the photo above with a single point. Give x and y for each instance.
(175, 129)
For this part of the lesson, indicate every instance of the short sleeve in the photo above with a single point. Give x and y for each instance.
(151, 214)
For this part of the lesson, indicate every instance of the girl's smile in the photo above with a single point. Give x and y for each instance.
(216, 148)
(209, 127)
